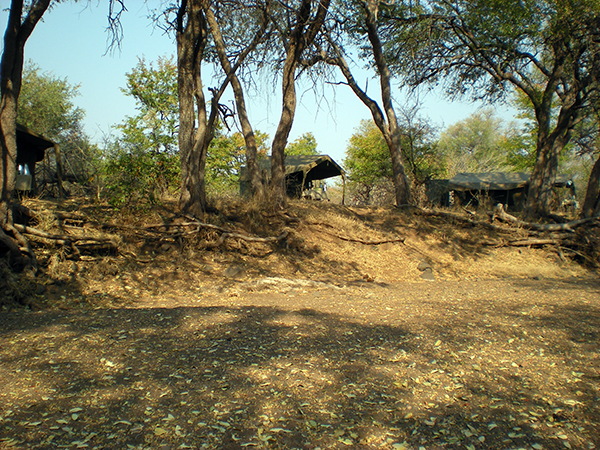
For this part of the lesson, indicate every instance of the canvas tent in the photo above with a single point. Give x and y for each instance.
(300, 172)
(31, 149)
(507, 188)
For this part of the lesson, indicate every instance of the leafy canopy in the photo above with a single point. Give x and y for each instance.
(478, 143)
(304, 145)
(46, 104)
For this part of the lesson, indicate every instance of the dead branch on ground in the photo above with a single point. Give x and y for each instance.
(499, 213)
(360, 241)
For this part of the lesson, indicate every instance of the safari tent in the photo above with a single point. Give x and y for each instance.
(31, 149)
(508, 188)
(300, 173)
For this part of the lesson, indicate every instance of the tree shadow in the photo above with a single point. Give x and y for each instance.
(291, 376)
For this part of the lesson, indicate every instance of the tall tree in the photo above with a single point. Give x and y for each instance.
(142, 163)
(588, 141)
(548, 49)
(365, 23)
(298, 25)
(198, 31)
(196, 125)
(245, 34)
(21, 24)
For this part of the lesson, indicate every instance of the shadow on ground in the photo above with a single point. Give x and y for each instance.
(453, 366)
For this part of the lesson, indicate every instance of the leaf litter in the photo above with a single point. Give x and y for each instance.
(471, 361)
(311, 370)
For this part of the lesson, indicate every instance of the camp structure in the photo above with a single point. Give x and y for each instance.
(302, 175)
(31, 149)
(510, 189)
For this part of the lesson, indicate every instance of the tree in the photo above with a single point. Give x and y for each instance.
(475, 144)
(304, 145)
(588, 144)
(245, 33)
(193, 22)
(20, 26)
(367, 163)
(196, 124)
(298, 24)
(363, 27)
(419, 146)
(46, 107)
(547, 49)
(143, 161)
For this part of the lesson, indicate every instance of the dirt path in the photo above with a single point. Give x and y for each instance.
(480, 365)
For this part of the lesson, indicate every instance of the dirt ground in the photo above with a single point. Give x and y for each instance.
(331, 339)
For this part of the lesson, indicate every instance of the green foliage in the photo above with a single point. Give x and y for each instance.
(155, 92)
(143, 163)
(226, 155)
(368, 163)
(46, 107)
(304, 145)
(478, 143)
(137, 177)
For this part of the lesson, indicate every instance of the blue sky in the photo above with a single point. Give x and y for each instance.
(71, 42)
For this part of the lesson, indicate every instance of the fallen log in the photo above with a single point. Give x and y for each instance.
(246, 238)
(499, 213)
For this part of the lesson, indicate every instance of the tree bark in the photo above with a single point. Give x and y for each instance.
(591, 204)
(17, 32)
(191, 41)
(301, 37)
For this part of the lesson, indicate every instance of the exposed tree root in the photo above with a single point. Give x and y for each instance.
(499, 213)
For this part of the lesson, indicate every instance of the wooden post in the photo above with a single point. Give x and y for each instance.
(59, 172)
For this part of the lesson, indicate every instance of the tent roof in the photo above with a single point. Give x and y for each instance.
(31, 145)
(495, 181)
(319, 166)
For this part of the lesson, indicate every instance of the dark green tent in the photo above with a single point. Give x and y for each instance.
(300, 172)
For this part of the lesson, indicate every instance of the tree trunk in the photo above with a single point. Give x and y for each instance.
(256, 183)
(17, 32)
(541, 182)
(550, 145)
(591, 204)
(391, 132)
(191, 40)
(301, 37)
(283, 128)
